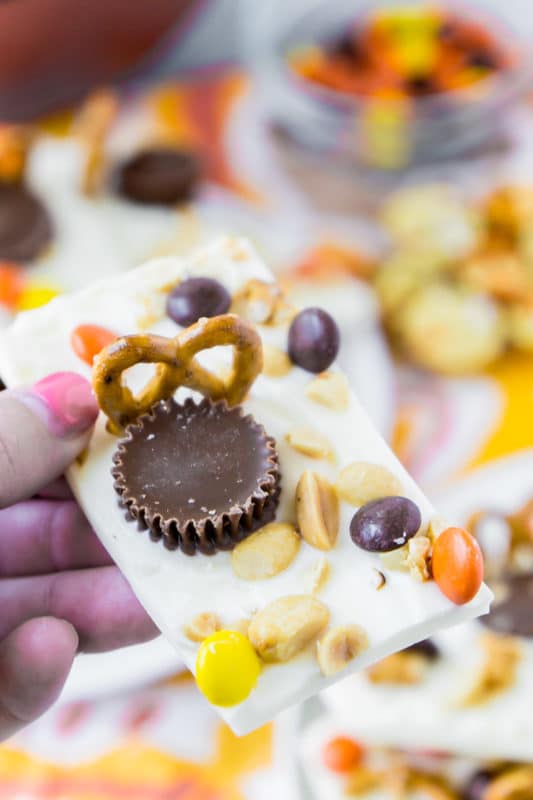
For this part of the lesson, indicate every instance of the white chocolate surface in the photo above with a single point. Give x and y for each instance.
(426, 715)
(173, 587)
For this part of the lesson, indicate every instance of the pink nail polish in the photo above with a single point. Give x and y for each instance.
(64, 401)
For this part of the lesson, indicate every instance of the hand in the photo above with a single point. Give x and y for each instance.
(59, 592)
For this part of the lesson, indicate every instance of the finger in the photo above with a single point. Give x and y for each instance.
(57, 490)
(97, 602)
(42, 536)
(42, 430)
(35, 660)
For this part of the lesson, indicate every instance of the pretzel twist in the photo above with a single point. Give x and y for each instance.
(15, 144)
(176, 366)
(91, 126)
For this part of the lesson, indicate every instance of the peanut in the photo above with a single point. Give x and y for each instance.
(317, 510)
(360, 482)
(339, 646)
(286, 626)
(329, 389)
(266, 553)
(202, 626)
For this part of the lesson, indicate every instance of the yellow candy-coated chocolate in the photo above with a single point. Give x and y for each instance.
(409, 19)
(411, 32)
(416, 56)
(227, 668)
(35, 295)
(385, 134)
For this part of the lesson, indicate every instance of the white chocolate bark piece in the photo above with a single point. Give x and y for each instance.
(435, 713)
(383, 770)
(454, 707)
(175, 588)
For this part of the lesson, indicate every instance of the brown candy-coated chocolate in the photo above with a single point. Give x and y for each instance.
(201, 476)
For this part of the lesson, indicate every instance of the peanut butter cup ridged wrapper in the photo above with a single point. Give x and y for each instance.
(201, 476)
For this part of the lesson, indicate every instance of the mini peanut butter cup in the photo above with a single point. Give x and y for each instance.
(159, 176)
(201, 476)
(25, 225)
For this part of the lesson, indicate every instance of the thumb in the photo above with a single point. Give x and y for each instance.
(35, 660)
(42, 430)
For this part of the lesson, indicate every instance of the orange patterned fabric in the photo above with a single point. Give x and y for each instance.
(196, 115)
(138, 772)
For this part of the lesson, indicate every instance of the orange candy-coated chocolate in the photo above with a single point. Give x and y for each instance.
(11, 284)
(407, 51)
(88, 340)
(342, 754)
(457, 565)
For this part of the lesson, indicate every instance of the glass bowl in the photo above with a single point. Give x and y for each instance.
(380, 132)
